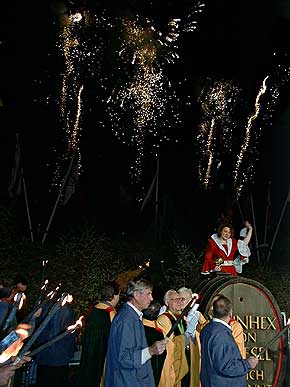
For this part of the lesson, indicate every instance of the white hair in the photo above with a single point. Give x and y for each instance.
(186, 290)
(166, 295)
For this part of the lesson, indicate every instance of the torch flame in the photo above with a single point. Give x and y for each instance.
(22, 333)
(11, 351)
(195, 296)
(22, 299)
(53, 292)
(67, 299)
(77, 324)
(14, 348)
(44, 285)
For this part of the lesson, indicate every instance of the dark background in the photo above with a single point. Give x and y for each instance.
(235, 40)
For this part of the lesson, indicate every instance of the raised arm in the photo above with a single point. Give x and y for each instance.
(249, 232)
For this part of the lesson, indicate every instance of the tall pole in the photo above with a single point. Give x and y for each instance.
(18, 181)
(278, 226)
(241, 212)
(157, 200)
(255, 228)
(267, 211)
(27, 209)
(58, 198)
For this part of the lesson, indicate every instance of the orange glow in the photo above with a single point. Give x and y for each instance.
(11, 351)
(22, 333)
(67, 299)
(77, 324)
(44, 285)
(23, 298)
(14, 348)
(195, 296)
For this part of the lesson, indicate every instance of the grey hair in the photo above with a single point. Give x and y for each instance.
(166, 295)
(138, 286)
(184, 289)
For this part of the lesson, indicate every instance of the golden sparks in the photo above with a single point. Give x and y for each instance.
(215, 131)
(246, 142)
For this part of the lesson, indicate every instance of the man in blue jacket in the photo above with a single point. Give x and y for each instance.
(128, 358)
(221, 362)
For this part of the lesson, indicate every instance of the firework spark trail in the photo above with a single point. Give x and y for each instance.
(79, 59)
(279, 80)
(143, 100)
(77, 120)
(217, 102)
(148, 94)
(70, 98)
(210, 155)
(145, 95)
(251, 120)
(81, 47)
(75, 137)
(73, 143)
(67, 43)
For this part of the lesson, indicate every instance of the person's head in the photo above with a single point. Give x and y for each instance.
(185, 294)
(20, 283)
(151, 313)
(173, 301)
(139, 293)
(225, 231)
(6, 292)
(216, 297)
(222, 308)
(110, 293)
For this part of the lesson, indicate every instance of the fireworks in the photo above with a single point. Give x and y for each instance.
(258, 122)
(249, 126)
(145, 106)
(219, 135)
(215, 132)
(209, 152)
(82, 58)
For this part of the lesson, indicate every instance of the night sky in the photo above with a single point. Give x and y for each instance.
(240, 42)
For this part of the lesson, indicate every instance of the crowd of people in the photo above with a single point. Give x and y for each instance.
(146, 345)
(136, 342)
(50, 366)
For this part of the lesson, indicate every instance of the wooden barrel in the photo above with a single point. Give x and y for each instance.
(257, 310)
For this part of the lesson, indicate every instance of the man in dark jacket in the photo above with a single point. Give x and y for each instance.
(221, 362)
(53, 362)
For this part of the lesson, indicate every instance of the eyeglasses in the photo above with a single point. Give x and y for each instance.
(175, 299)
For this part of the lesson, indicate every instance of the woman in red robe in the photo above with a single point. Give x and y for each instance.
(226, 254)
